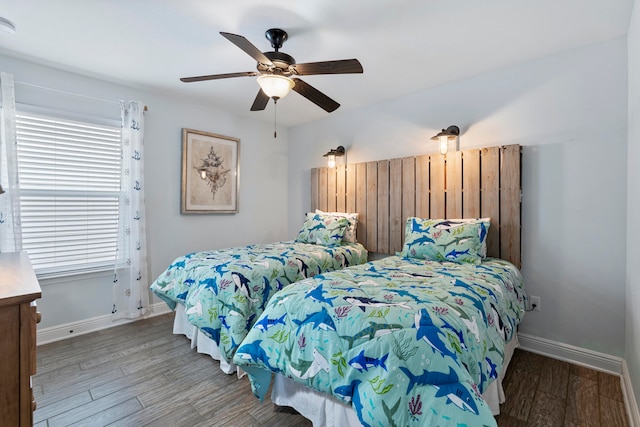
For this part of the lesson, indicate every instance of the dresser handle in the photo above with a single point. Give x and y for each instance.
(38, 317)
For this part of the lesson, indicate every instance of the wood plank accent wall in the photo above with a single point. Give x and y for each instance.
(474, 183)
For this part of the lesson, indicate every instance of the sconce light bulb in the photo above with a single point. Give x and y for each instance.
(203, 174)
(331, 162)
(444, 144)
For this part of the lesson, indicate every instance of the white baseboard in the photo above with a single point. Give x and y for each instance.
(590, 359)
(68, 330)
(569, 353)
(630, 401)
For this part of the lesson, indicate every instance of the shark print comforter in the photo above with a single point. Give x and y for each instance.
(405, 342)
(225, 290)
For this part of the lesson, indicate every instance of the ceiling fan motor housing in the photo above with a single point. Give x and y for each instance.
(280, 60)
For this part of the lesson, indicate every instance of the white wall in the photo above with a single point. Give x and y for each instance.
(633, 206)
(263, 180)
(569, 112)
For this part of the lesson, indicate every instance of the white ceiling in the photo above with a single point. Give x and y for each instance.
(404, 45)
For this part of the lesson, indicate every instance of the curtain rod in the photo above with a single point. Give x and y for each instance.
(70, 93)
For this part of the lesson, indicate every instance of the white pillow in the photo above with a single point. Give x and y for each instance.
(350, 233)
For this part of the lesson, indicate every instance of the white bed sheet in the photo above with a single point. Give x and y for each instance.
(325, 410)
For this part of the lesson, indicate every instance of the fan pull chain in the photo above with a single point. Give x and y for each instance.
(275, 117)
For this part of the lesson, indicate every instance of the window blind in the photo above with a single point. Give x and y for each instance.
(69, 174)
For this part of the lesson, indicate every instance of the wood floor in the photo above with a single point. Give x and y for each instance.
(546, 392)
(141, 374)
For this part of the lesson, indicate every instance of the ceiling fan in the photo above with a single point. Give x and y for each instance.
(275, 71)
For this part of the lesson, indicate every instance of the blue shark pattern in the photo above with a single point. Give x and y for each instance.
(456, 254)
(407, 294)
(318, 320)
(483, 232)
(423, 240)
(179, 263)
(446, 385)
(265, 323)
(210, 283)
(363, 363)
(223, 322)
(225, 290)
(267, 290)
(493, 373)
(460, 396)
(252, 351)
(222, 267)
(317, 294)
(318, 226)
(428, 377)
(426, 334)
(431, 333)
(214, 334)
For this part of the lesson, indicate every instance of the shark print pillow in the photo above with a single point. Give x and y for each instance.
(453, 240)
(321, 230)
(352, 218)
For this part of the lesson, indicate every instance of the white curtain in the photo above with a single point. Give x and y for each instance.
(130, 283)
(10, 229)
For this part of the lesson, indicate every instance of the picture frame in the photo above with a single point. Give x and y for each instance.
(210, 173)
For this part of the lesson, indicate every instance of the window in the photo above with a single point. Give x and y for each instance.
(69, 175)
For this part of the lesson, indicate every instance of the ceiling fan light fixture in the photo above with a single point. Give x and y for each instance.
(275, 86)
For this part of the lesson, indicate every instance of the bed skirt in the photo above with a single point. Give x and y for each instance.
(325, 410)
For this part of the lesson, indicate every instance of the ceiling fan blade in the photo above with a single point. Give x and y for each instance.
(248, 47)
(315, 96)
(260, 103)
(219, 76)
(343, 66)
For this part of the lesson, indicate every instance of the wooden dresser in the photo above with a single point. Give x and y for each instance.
(19, 289)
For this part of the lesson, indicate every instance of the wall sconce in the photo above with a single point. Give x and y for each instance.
(450, 133)
(332, 154)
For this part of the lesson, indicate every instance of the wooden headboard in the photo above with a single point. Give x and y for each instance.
(476, 183)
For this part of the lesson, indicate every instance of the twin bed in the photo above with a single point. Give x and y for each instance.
(422, 337)
(218, 294)
(411, 338)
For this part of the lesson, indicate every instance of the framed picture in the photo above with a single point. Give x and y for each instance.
(210, 172)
